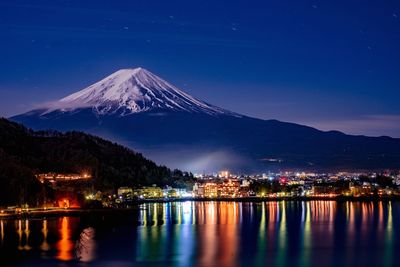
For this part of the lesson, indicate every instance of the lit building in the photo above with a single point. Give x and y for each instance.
(124, 191)
(69, 188)
(62, 177)
(171, 192)
(360, 190)
(223, 174)
(149, 192)
(229, 188)
(210, 190)
(226, 189)
(198, 190)
(246, 183)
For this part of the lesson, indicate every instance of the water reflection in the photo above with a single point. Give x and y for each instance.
(388, 258)
(20, 232)
(184, 235)
(45, 245)
(282, 236)
(218, 237)
(305, 235)
(207, 234)
(286, 233)
(65, 245)
(260, 255)
(86, 245)
(153, 236)
(228, 239)
(27, 232)
(2, 231)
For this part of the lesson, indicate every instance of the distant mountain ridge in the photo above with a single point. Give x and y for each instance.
(140, 110)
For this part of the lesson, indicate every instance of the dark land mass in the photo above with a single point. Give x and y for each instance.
(240, 144)
(25, 153)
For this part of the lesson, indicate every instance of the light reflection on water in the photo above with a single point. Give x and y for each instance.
(314, 233)
(2, 231)
(45, 245)
(65, 245)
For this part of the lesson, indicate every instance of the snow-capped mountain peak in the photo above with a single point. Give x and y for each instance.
(130, 91)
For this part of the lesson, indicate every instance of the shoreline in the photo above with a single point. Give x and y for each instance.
(59, 212)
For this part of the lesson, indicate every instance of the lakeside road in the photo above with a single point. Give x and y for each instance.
(41, 213)
(133, 205)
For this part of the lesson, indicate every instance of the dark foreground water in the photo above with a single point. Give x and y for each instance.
(314, 233)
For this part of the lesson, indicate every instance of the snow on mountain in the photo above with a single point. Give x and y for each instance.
(130, 91)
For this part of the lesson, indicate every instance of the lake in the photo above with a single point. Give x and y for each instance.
(285, 233)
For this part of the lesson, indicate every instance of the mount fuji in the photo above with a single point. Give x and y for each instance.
(129, 91)
(138, 109)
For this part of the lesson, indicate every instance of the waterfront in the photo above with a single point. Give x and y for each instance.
(285, 233)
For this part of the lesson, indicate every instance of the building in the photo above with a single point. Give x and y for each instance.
(53, 177)
(149, 192)
(229, 188)
(246, 183)
(360, 190)
(124, 191)
(223, 174)
(198, 190)
(68, 188)
(210, 190)
(225, 189)
(171, 192)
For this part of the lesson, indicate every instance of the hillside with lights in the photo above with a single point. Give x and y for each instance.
(27, 158)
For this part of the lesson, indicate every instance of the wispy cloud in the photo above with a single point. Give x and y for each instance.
(372, 125)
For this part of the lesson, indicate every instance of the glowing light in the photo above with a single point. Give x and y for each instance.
(65, 203)
(187, 210)
(186, 194)
(65, 245)
(282, 237)
(45, 246)
(2, 231)
(27, 232)
(90, 196)
(19, 231)
(388, 258)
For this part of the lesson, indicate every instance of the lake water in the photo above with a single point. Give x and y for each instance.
(286, 233)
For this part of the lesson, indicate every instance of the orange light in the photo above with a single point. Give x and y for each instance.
(65, 245)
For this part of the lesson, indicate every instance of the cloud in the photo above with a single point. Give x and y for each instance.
(198, 159)
(61, 105)
(371, 125)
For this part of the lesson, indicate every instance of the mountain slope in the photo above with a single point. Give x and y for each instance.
(130, 91)
(24, 153)
(142, 111)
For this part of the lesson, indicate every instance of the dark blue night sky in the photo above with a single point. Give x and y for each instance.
(328, 64)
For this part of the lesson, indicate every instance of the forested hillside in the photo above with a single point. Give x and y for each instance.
(24, 153)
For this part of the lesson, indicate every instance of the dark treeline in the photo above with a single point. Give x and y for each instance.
(24, 153)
